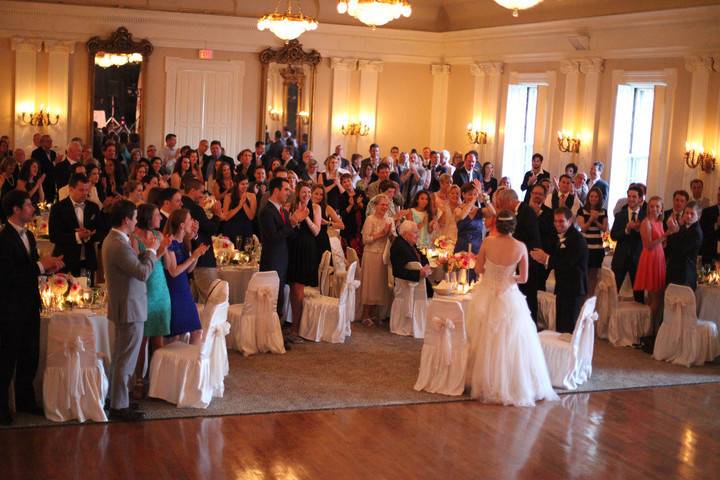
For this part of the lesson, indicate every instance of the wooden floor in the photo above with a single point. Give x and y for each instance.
(664, 433)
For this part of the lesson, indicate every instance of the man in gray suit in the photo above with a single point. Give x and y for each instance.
(125, 274)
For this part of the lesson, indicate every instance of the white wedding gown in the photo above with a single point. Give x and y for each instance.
(506, 363)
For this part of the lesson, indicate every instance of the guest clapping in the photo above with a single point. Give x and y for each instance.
(238, 211)
(683, 246)
(651, 271)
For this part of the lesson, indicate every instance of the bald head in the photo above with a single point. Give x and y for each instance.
(74, 151)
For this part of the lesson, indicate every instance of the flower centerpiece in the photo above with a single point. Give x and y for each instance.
(61, 290)
(608, 243)
(224, 249)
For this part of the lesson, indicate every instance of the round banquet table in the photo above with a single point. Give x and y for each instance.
(238, 278)
(708, 303)
(103, 330)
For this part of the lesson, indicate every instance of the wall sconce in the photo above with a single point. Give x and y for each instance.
(39, 119)
(304, 117)
(567, 143)
(356, 128)
(696, 157)
(274, 113)
(475, 135)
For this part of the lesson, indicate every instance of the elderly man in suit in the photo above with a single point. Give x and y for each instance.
(626, 232)
(569, 260)
(469, 172)
(277, 227)
(126, 272)
(20, 267)
(683, 247)
(74, 225)
(404, 250)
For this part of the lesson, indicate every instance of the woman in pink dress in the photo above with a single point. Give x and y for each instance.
(650, 274)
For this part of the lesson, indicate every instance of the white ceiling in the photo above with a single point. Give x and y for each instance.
(428, 15)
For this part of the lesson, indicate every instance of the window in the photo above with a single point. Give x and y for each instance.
(631, 139)
(519, 132)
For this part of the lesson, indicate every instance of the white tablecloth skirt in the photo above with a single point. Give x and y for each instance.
(238, 278)
(708, 303)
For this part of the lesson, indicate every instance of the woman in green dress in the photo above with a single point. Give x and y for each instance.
(157, 324)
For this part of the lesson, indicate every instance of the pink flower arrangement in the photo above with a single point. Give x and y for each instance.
(463, 260)
(444, 243)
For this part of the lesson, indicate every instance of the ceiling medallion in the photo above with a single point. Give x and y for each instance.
(289, 25)
(375, 13)
(516, 5)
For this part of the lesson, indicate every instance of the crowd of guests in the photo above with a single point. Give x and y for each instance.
(162, 208)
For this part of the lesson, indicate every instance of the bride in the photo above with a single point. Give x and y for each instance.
(506, 363)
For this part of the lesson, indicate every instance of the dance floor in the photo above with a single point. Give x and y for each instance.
(662, 433)
(375, 368)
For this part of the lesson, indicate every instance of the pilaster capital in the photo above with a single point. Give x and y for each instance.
(370, 65)
(59, 46)
(699, 63)
(592, 65)
(21, 44)
(440, 69)
(570, 66)
(716, 62)
(343, 64)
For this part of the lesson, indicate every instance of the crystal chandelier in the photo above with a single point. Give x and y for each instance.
(289, 25)
(516, 5)
(375, 12)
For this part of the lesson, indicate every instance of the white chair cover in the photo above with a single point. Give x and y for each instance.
(546, 309)
(569, 358)
(182, 374)
(324, 273)
(445, 350)
(255, 325)
(217, 304)
(352, 256)
(682, 338)
(621, 322)
(328, 319)
(408, 313)
(74, 382)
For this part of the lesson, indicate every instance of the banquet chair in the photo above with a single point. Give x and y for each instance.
(621, 322)
(443, 360)
(352, 256)
(408, 313)
(569, 357)
(546, 309)
(327, 318)
(182, 374)
(324, 272)
(337, 278)
(254, 324)
(682, 338)
(74, 382)
(217, 304)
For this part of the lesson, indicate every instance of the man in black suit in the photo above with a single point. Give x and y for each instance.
(569, 260)
(683, 246)
(216, 154)
(469, 172)
(62, 170)
(596, 180)
(246, 165)
(20, 305)
(169, 201)
(205, 271)
(277, 227)
(75, 227)
(288, 160)
(404, 251)
(710, 224)
(680, 200)
(528, 232)
(259, 157)
(546, 225)
(46, 157)
(533, 176)
(626, 232)
(275, 149)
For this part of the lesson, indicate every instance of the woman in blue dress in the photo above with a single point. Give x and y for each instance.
(179, 262)
(470, 221)
(239, 209)
(157, 324)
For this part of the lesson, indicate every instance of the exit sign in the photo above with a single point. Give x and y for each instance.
(205, 54)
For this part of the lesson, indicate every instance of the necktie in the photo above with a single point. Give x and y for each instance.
(562, 200)
(634, 217)
(282, 215)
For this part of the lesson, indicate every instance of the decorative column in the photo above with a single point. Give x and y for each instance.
(342, 69)
(591, 68)
(367, 105)
(58, 86)
(438, 110)
(486, 101)
(26, 50)
(700, 67)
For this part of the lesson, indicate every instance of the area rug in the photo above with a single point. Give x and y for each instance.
(376, 368)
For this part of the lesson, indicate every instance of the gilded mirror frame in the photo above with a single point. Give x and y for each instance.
(293, 59)
(120, 41)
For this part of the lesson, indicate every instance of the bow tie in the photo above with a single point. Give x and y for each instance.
(79, 205)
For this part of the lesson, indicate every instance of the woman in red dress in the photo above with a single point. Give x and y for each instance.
(650, 274)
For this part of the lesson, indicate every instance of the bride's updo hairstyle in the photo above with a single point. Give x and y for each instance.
(505, 222)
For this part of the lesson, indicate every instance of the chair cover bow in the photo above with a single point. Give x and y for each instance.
(72, 351)
(222, 329)
(445, 326)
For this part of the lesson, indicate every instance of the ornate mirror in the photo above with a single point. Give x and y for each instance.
(118, 65)
(288, 85)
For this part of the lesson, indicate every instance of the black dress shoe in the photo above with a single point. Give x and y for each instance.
(31, 409)
(127, 414)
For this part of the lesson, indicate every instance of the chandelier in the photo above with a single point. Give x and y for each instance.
(107, 60)
(375, 12)
(289, 25)
(516, 5)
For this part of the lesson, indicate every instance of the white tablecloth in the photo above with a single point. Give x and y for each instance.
(708, 303)
(238, 278)
(103, 329)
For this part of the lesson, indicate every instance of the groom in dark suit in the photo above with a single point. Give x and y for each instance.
(20, 267)
(569, 260)
(277, 226)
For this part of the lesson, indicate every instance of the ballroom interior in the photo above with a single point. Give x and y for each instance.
(572, 79)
